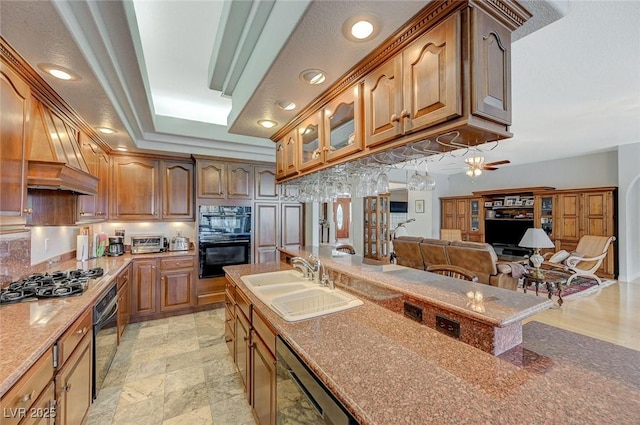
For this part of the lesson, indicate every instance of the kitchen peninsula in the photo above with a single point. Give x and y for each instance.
(387, 369)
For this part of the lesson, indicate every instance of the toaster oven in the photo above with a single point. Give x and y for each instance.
(145, 244)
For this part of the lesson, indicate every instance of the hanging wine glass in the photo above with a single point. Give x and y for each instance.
(383, 182)
(428, 180)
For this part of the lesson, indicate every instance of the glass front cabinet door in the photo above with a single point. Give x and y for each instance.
(311, 150)
(341, 125)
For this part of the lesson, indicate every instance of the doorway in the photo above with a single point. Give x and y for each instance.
(342, 217)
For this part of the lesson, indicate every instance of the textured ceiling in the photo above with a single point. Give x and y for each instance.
(576, 81)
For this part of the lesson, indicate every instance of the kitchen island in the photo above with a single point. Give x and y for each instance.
(388, 369)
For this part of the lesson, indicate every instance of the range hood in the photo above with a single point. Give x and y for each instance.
(55, 160)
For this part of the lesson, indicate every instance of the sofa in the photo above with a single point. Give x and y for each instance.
(480, 258)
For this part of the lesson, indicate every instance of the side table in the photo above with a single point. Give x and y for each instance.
(549, 278)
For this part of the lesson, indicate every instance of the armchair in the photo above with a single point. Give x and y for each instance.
(586, 259)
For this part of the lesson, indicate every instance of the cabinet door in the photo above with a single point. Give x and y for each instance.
(569, 217)
(73, 385)
(263, 382)
(43, 410)
(177, 183)
(15, 98)
(265, 183)
(267, 217)
(310, 147)
(211, 179)
(491, 63)
(462, 217)
(136, 191)
(242, 355)
(87, 203)
(382, 101)
(292, 225)
(239, 181)
(143, 291)
(597, 213)
(281, 164)
(342, 128)
(431, 77)
(176, 289)
(448, 208)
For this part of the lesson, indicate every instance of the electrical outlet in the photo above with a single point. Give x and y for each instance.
(413, 312)
(46, 244)
(448, 326)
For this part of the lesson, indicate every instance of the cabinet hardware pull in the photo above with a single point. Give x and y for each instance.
(395, 118)
(228, 339)
(28, 397)
(28, 210)
(252, 345)
(82, 331)
(66, 388)
(246, 338)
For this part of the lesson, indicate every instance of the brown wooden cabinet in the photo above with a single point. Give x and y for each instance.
(263, 371)
(211, 178)
(73, 385)
(266, 234)
(144, 300)
(292, 225)
(376, 227)
(95, 207)
(136, 189)
(265, 183)
(342, 125)
(43, 410)
(239, 181)
(177, 190)
(34, 384)
(310, 147)
(287, 155)
(417, 88)
(124, 307)
(177, 283)
(464, 213)
(241, 350)
(15, 98)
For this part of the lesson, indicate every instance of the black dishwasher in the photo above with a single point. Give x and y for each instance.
(301, 397)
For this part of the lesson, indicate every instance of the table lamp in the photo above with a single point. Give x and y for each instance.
(536, 239)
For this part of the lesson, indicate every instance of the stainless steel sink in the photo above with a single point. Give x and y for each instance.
(294, 298)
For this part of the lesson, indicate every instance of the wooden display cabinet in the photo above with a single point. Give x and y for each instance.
(376, 228)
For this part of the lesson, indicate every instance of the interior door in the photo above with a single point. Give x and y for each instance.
(341, 217)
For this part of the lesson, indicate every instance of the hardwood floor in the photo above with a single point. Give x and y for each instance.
(612, 314)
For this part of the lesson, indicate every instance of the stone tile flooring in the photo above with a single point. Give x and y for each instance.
(173, 371)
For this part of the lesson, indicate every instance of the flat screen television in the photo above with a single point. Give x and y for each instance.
(505, 232)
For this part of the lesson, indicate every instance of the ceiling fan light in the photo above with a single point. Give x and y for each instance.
(469, 172)
(477, 172)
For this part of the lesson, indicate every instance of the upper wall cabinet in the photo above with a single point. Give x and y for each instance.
(220, 180)
(15, 97)
(311, 148)
(444, 76)
(95, 207)
(417, 88)
(342, 120)
(136, 189)
(177, 193)
(287, 155)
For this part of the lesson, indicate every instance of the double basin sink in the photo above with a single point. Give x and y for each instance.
(294, 298)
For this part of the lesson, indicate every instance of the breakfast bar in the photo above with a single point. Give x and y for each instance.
(385, 368)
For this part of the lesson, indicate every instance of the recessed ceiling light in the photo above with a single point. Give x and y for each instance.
(313, 76)
(362, 27)
(267, 123)
(59, 72)
(286, 105)
(106, 130)
(121, 149)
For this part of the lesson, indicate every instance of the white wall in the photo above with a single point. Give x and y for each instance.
(629, 211)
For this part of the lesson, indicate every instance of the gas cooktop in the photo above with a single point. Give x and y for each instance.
(55, 285)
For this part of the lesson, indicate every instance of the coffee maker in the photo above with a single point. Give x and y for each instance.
(116, 246)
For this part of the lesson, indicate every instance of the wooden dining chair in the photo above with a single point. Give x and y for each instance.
(453, 271)
(451, 234)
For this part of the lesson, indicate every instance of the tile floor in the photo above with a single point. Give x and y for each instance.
(173, 371)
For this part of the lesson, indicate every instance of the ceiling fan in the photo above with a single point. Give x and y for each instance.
(476, 165)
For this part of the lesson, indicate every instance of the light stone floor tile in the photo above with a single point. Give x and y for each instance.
(173, 371)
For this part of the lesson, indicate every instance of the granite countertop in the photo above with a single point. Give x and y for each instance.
(387, 369)
(28, 329)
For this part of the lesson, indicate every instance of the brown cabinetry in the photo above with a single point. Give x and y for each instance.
(417, 88)
(144, 288)
(265, 183)
(220, 180)
(464, 213)
(73, 385)
(177, 283)
(376, 227)
(239, 181)
(15, 98)
(136, 189)
(311, 149)
(251, 341)
(177, 191)
(287, 155)
(95, 207)
(277, 225)
(162, 286)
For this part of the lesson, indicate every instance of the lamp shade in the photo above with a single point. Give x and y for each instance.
(536, 238)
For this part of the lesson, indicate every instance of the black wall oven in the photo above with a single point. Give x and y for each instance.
(224, 238)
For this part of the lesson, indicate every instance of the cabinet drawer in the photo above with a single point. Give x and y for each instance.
(25, 392)
(176, 263)
(244, 304)
(72, 337)
(43, 410)
(264, 331)
(123, 277)
(229, 316)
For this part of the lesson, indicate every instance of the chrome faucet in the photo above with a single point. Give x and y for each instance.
(304, 266)
(321, 276)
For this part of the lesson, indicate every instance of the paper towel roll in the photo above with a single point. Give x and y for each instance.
(82, 247)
